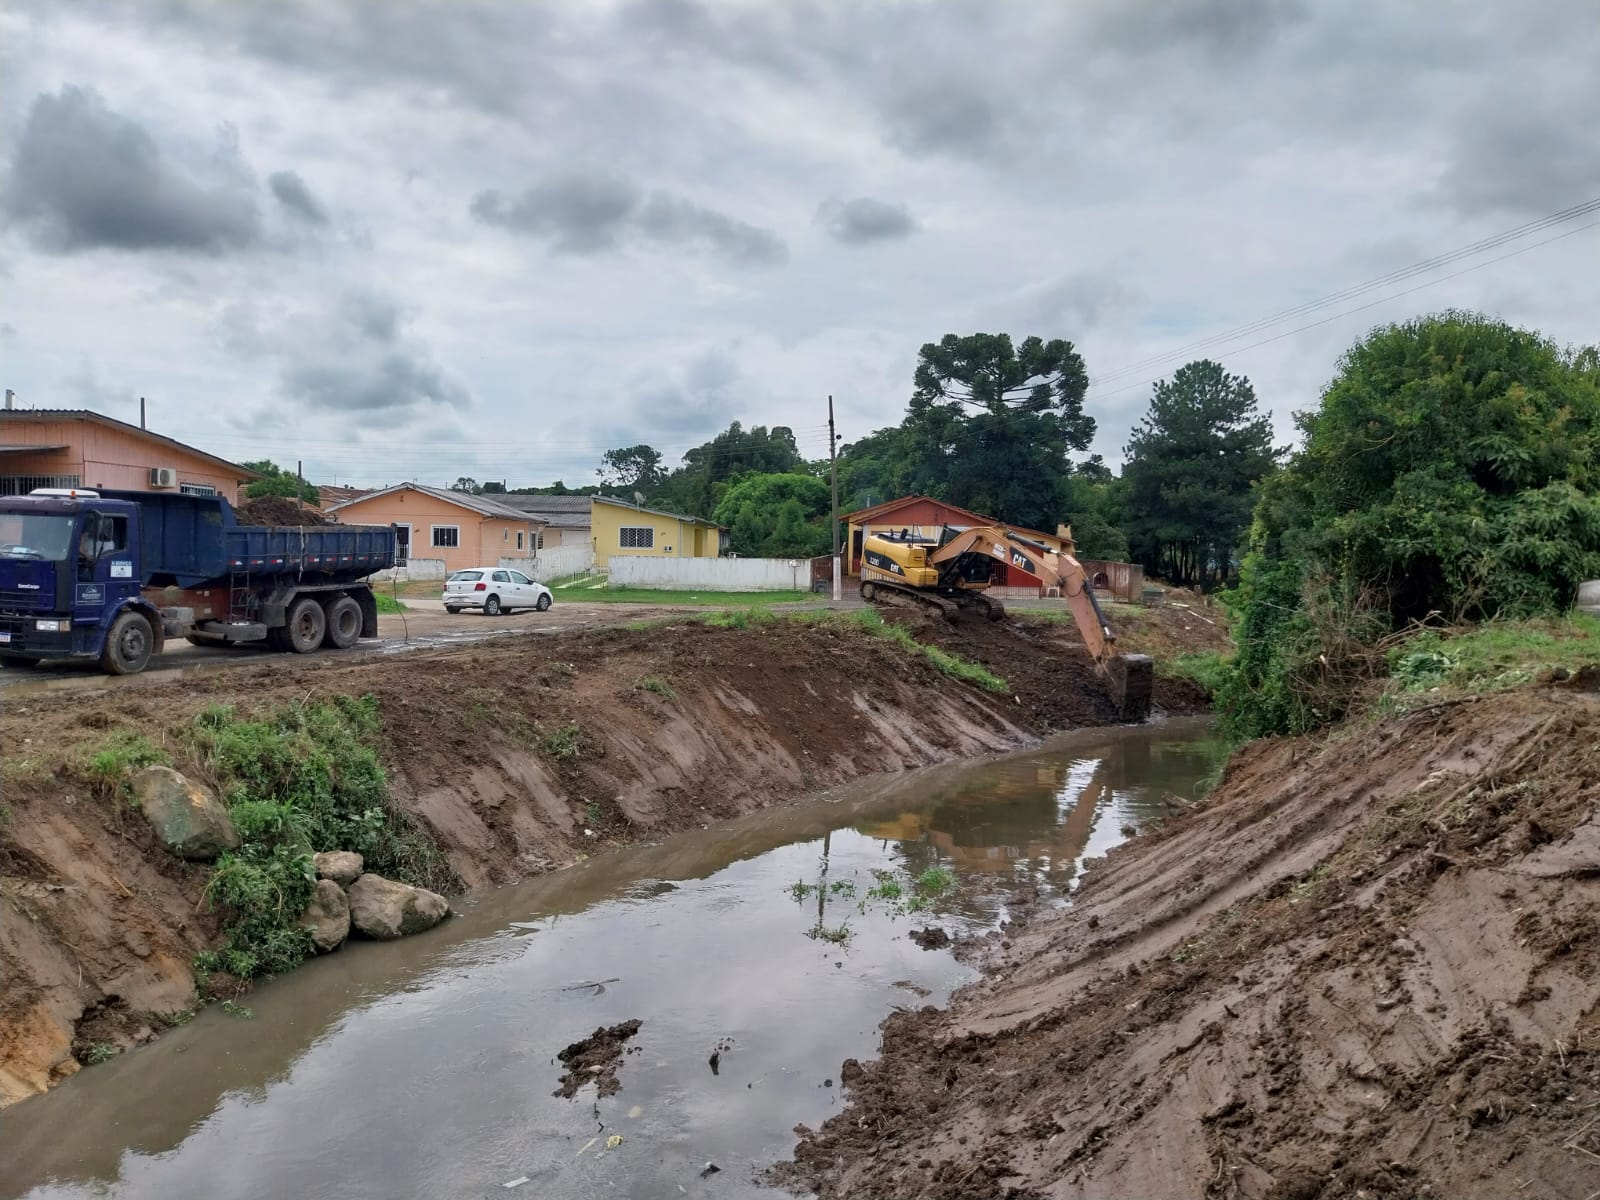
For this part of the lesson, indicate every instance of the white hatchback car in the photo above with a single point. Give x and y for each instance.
(493, 589)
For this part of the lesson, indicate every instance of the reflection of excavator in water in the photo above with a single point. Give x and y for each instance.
(952, 573)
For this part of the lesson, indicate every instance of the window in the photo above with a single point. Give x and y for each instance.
(501, 577)
(539, 540)
(446, 537)
(505, 535)
(638, 537)
(519, 539)
(465, 576)
(103, 535)
(197, 489)
(21, 485)
(518, 577)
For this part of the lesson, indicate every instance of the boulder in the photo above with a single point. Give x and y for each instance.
(189, 820)
(327, 916)
(384, 909)
(341, 866)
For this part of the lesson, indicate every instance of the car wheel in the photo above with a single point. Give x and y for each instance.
(344, 623)
(307, 625)
(451, 609)
(544, 603)
(491, 606)
(129, 645)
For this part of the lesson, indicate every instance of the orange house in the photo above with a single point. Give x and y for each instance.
(73, 447)
(457, 528)
(925, 517)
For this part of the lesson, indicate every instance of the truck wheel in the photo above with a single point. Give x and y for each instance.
(129, 645)
(307, 625)
(279, 640)
(491, 606)
(544, 604)
(344, 623)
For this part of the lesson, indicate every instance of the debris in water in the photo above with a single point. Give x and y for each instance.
(517, 1182)
(596, 1058)
(718, 1051)
(931, 938)
(709, 1170)
(613, 1141)
(599, 985)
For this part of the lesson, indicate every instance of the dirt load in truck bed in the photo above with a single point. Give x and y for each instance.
(1368, 967)
(279, 510)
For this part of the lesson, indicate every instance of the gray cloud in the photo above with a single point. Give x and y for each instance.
(865, 220)
(1079, 302)
(1514, 156)
(592, 212)
(355, 357)
(689, 403)
(1225, 28)
(291, 192)
(965, 120)
(83, 177)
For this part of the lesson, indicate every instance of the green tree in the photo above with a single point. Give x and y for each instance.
(465, 483)
(1096, 503)
(1192, 463)
(277, 481)
(991, 425)
(1450, 468)
(776, 516)
(698, 485)
(493, 487)
(633, 468)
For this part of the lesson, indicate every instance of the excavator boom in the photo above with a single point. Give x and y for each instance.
(1130, 676)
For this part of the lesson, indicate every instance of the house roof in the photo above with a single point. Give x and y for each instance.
(866, 515)
(655, 512)
(21, 415)
(333, 493)
(481, 505)
(558, 512)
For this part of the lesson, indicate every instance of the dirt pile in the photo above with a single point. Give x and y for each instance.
(1367, 968)
(595, 1060)
(515, 757)
(279, 510)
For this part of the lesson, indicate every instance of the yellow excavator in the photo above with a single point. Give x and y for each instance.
(952, 573)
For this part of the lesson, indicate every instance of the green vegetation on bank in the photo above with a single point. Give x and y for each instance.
(1449, 475)
(387, 603)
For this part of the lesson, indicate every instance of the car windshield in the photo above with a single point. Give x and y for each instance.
(465, 576)
(34, 536)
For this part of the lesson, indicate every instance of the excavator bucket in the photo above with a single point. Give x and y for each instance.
(1130, 678)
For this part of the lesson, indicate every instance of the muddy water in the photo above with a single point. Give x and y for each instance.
(426, 1067)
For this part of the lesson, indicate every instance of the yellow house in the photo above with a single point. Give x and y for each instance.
(458, 528)
(622, 528)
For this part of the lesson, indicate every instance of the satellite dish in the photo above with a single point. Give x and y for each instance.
(638, 499)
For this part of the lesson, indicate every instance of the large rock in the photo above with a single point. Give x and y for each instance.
(189, 820)
(341, 866)
(327, 916)
(384, 909)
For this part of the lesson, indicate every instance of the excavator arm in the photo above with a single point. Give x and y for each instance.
(1130, 676)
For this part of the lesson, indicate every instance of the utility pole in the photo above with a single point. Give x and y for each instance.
(833, 471)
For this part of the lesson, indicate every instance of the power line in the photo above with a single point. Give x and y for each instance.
(1277, 337)
(1575, 212)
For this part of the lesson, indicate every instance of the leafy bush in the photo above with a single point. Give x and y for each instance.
(1451, 472)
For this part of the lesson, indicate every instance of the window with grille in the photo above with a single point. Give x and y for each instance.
(446, 537)
(638, 537)
(21, 485)
(197, 489)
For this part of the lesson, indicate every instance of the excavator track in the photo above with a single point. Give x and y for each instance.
(892, 595)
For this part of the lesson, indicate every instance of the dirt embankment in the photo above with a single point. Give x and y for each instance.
(1369, 967)
(515, 757)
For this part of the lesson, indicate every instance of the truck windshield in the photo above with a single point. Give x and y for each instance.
(35, 536)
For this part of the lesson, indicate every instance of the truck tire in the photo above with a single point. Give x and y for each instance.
(306, 625)
(344, 623)
(129, 644)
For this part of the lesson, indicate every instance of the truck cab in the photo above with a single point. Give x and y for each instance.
(69, 567)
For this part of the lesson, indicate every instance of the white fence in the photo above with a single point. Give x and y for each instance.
(416, 568)
(711, 574)
(557, 562)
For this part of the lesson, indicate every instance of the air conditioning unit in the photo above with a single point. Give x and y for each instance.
(163, 477)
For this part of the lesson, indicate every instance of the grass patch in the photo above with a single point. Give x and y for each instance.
(837, 935)
(297, 779)
(1492, 657)
(387, 603)
(122, 755)
(97, 1053)
(656, 685)
(708, 599)
(950, 664)
(1207, 668)
(563, 743)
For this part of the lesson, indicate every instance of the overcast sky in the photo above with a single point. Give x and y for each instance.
(496, 237)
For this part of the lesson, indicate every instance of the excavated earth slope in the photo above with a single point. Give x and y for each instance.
(660, 728)
(1368, 967)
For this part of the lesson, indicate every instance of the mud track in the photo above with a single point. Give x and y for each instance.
(663, 728)
(1369, 967)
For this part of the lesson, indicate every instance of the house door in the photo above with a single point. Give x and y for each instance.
(402, 545)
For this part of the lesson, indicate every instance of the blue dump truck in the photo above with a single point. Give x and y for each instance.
(108, 576)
